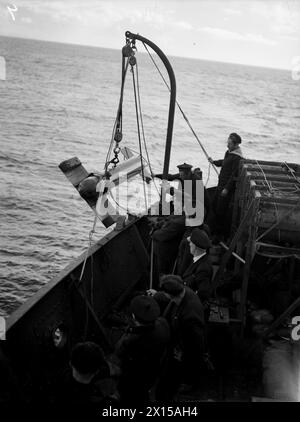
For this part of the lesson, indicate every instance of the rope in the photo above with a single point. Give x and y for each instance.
(151, 265)
(91, 233)
(92, 278)
(291, 171)
(271, 190)
(137, 152)
(142, 126)
(106, 164)
(263, 173)
(139, 133)
(208, 175)
(118, 120)
(182, 112)
(117, 203)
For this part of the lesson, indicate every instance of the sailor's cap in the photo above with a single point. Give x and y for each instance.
(145, 308)
(184, 166)
(200, 239)
(172, 284)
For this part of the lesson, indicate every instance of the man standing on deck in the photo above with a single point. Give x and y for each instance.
(199, 274)
(186, 360)
(166, 240)
(141, 349)
(185, 173)
(227, 181)
(191, 184)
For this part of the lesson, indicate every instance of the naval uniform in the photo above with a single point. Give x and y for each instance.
(140, 351)
(227, 180)
(198, 276)
(185, 315)
(166, 241)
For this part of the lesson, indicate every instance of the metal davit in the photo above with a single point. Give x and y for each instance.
(172, 104)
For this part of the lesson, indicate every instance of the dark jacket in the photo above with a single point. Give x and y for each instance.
(144, 344)
(188, 313)
(166, 242)
(187, 331)
(198, 277)
(193, 179)
(140, 351)
(172, 229)
(229, 170)
(102, 389)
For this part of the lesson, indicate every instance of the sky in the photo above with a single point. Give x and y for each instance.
(260, 33)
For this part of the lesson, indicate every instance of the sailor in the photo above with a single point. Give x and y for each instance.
(141, 349)
(186, 319)
(198, 275)
(185, 173)
(90, 378)
(184, 257)
(166, 241)
(188, 189)
(227, 181)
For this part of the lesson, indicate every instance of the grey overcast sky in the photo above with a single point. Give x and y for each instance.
(261, 33)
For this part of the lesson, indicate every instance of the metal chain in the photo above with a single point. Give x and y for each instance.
(129, 52)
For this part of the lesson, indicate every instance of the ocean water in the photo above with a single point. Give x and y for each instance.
(60, 101)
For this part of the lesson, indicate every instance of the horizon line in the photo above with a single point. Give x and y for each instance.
(142, 52)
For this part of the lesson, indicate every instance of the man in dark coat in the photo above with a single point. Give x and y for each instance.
(184, 257)
(141, 349)
(198, 275)
(190, 184)
(185, 173)
(166, 241)
(186, 319)
(90, 379)
(227, 181)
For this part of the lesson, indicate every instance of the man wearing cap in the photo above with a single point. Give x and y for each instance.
(186, 319)
(185, 173)
(184, 257)
(141, 349)
(89, 379)
(199, 274)
(189, 191)
(227, 181)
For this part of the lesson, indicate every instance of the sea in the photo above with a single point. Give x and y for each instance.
(60, 101)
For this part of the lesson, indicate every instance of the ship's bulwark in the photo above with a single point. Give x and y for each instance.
(79, 309)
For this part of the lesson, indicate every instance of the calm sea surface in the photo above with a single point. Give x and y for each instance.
(60, 101)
